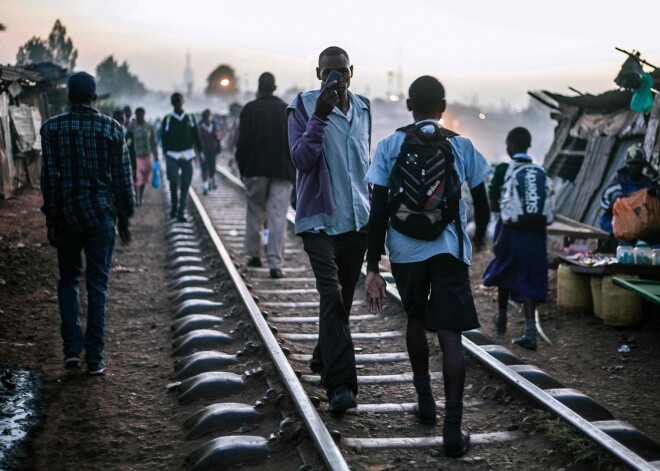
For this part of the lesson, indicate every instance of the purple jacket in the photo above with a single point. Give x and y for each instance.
(316, 205)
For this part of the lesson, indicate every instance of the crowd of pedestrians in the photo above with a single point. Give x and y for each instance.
(313, 154)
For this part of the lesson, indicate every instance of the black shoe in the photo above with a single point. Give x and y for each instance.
(72, 362)
(500, 323)
(426, 417)
(254, 262)
(96, 368)
(342, 400)
(180, 219)
(526, 342)
(172, 213)
(205, 192)
(276, 273)
(456, 450)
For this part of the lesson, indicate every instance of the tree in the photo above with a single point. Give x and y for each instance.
(117, 80)
(34, 51)
(222, 81)
(57, 49)
(61, 47)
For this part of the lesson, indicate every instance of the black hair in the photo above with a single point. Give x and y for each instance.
(139, 110)
(333, 51)
(176, 95)
(519, 138)
(426, 94)
(119, 116)
(127, 109)
(82, 99)
(266, 82)
(206, 112)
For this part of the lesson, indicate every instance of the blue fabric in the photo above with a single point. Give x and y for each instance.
(155, 177)
(98, 245)
(620, 186)
(520, 264)
(472, 168)
(345, 148)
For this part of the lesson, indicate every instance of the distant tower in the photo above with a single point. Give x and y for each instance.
(390, 84)
(188, 76)
(399, 73)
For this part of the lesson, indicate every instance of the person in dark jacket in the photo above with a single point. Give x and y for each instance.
(626, 181)
(264, 162)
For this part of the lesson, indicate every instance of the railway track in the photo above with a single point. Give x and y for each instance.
(277, 321)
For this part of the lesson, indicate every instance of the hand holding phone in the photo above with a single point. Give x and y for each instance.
(333, 76)
(328, 98)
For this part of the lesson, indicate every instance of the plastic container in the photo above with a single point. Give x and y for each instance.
(573, 291)
(642, 253)
(655, 255)
(625, 253)
(620, 307)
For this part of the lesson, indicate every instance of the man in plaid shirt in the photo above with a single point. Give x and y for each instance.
(87, 189)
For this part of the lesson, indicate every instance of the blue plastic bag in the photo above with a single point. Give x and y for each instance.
(155, 176)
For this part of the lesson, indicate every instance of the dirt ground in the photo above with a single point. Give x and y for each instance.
(124, 419)
(127, 420)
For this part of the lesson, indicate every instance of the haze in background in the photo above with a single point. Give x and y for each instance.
(485, 52)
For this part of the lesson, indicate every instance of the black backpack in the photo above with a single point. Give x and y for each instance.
(425, 190)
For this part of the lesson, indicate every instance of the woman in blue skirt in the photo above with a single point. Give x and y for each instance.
(520, 266)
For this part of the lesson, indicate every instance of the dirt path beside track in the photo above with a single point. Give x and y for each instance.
(127, 420)
(124, 419)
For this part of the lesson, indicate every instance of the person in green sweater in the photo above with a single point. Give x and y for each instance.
(181, 144)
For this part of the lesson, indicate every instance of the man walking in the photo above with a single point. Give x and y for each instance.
(264, 162)
(329, 138)
(181, 144)
(87, 189)
(431, 271)
(146, 150)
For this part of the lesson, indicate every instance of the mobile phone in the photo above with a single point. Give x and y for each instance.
(332, 76)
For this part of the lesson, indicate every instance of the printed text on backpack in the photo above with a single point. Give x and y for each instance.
(526, 200)
(425, 189)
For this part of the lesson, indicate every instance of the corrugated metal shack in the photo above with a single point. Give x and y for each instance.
(28, 96)
(592, 135)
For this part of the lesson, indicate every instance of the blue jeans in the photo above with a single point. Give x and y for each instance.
(98, 245)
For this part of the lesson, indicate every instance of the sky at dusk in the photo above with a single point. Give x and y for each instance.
(483, 51)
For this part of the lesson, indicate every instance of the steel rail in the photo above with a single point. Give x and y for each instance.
(325, 445)
(537, 394)
(615, 448)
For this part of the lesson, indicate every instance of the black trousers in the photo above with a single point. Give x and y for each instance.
(179, 171)
(336, 262)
